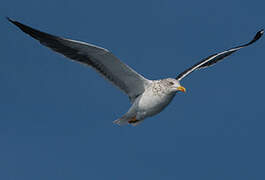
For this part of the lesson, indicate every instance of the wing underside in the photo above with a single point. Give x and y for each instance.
(212, 59)
(103, 61)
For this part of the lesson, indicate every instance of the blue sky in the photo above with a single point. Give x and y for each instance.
(56, 115)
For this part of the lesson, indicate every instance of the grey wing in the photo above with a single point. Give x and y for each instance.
(210, 60)
(103, 61)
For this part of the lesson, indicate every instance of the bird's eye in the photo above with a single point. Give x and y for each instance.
(171, 83)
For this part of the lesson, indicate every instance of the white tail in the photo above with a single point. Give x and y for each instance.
(126, 120)
(122, 121)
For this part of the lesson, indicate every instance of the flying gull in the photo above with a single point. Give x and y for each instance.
(148, 97)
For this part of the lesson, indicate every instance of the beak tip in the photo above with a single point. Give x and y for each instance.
(182, 89)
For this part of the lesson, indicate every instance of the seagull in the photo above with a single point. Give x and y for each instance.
(148, 97)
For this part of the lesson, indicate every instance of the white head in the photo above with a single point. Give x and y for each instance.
(174, 85)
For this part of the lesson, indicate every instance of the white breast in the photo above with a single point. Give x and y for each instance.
(153, 101)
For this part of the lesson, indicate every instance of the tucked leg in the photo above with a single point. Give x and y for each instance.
(133, 120)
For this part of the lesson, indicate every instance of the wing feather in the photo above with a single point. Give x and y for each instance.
(103, 61)
(212, 59)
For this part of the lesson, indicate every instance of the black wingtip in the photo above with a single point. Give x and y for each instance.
(257, 37)
(10, 20)
(259, 34)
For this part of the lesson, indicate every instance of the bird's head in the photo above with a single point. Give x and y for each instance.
(174, 85)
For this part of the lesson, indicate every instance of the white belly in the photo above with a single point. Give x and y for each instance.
(150, 104)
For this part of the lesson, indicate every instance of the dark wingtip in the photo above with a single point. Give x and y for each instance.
(259, 34)
(9, 19)
(257, 37)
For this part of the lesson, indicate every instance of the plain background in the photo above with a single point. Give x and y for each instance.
(56, 115)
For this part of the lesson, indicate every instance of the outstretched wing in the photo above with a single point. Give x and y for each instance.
(210, 60)
(103, 61)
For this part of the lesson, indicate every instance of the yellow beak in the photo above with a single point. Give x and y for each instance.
(181, 88)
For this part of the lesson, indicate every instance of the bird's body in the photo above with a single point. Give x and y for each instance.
(157, 95)
(148, 97)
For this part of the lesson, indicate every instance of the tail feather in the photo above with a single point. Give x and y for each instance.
(127, 120)
(121, 121)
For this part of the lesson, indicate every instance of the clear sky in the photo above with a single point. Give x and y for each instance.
(56, 115)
